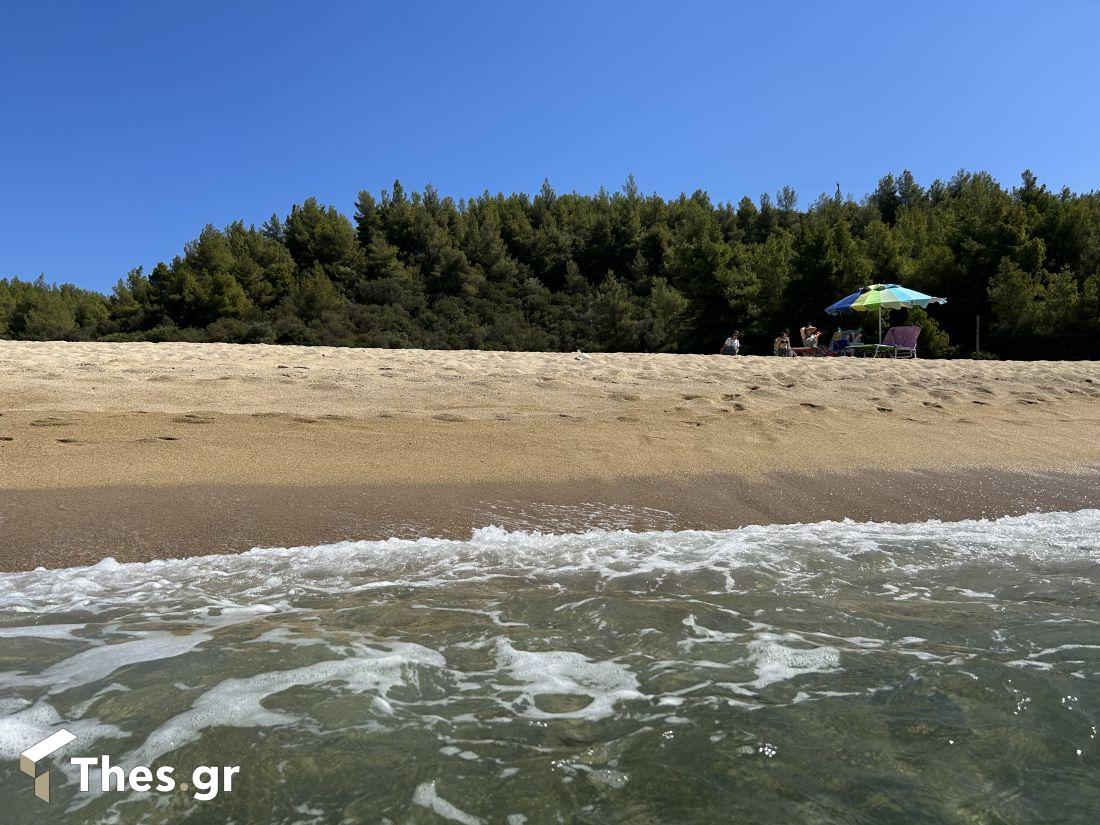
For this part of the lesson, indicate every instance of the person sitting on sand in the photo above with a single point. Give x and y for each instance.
(732, 345)
(783, 344)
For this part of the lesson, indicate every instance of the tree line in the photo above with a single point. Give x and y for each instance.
(616, 271)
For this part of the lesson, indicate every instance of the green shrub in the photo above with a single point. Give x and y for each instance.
(934, 341)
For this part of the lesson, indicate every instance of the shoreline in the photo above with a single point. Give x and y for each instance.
(140, 451)
(76, 527)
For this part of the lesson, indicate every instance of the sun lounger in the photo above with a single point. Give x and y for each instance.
(898, 341)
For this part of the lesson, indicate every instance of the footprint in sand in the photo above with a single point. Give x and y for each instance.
(191, 418)
(811, 406)
(51, 421)
(6, 438)
(448, 417)
(629, 396)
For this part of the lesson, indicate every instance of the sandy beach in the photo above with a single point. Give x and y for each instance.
(145, 450)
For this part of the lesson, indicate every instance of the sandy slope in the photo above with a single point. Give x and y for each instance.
(108, 414)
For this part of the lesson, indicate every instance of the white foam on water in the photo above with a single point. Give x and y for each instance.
(101, 660)
(793, 554)
(492, 615)
(238, 702)
(972, 594)
(702, 635)
(23, 728)
(314, 815)
(42, 631)
(426, 796)
(1037, 659)
(775, 662)
(82, 708)
(200, 597)
(452, 750)
(772, 660)
(288, 636)
(569, 673)
(601, 776)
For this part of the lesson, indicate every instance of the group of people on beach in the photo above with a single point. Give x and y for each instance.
(810, 334)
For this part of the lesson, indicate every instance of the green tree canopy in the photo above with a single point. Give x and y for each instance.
(615, 271)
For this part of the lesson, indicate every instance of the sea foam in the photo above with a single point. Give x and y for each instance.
(796, 552)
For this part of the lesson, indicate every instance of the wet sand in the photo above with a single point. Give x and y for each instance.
(139, 451)
(81, 525)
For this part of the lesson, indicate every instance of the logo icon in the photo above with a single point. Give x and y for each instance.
(29, 759)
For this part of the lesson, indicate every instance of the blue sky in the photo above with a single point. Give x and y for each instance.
(126, 127)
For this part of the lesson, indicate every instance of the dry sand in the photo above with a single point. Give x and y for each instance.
(120, 444)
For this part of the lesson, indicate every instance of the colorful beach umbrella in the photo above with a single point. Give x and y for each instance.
(883, 296)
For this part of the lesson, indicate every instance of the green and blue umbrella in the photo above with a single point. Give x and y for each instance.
(880, 297)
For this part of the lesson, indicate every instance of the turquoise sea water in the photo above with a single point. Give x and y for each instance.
(837, 672)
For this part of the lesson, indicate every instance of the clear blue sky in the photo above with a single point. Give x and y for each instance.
(125, 127)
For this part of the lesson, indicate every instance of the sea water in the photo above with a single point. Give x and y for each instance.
(835, 672)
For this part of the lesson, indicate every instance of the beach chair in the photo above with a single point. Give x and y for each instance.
(898, 341)
(842, 341)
